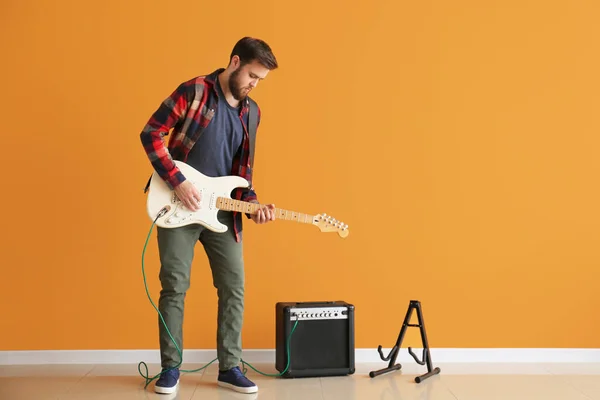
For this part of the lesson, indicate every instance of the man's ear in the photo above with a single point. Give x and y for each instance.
(235, 62)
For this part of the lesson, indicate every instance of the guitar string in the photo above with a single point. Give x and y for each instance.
(241, 206)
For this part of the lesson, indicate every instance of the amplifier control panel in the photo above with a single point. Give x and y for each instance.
(314, 313)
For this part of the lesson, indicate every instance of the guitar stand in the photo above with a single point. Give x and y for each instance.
(426, 358)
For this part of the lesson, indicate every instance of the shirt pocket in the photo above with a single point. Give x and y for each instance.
(206, 115)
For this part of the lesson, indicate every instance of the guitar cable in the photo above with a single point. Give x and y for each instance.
(149, 379)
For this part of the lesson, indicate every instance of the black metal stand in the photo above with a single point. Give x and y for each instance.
(392, 366)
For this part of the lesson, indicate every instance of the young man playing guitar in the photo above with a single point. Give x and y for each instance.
(209, 116)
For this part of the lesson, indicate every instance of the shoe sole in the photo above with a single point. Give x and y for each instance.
(166, 390)
(252, 389)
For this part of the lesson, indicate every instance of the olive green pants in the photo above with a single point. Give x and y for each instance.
(176, 250)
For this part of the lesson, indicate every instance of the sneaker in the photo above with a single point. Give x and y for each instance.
(167, 382)
(234, 379)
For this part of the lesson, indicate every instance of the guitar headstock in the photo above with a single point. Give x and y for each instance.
(327, 223)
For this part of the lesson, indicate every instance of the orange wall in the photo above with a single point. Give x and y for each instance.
(459, 141)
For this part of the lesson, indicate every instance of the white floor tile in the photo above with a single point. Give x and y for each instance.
(468, 381)
(589, 385)
(389, 386)
(513, 387)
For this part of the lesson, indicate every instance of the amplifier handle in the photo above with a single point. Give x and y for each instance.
(314, 302)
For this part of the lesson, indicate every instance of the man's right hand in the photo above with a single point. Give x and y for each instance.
(189, 195)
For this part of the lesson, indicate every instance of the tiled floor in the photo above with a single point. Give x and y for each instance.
(456, 381)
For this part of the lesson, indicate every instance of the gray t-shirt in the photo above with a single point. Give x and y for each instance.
(220, 141)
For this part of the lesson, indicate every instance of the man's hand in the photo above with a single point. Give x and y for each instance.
(265, 214)
(189, 195)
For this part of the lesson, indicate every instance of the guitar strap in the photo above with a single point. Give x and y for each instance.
(252, 126)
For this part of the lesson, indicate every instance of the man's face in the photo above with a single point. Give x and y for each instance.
(243, 79)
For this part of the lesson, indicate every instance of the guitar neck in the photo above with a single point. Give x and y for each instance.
(252, 208)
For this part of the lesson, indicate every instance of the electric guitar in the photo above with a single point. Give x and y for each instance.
(166, 208)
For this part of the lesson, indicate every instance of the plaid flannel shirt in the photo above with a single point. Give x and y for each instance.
(187, 111)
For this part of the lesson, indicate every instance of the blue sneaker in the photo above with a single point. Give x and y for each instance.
(234, 379)
(167, 382)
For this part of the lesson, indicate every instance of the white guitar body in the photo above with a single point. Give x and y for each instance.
(160, 197)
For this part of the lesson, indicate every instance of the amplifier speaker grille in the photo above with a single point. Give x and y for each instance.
(322, 343)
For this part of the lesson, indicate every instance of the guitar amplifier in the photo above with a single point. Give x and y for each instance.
(322, 344)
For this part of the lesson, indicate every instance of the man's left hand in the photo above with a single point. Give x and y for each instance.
(265, 214)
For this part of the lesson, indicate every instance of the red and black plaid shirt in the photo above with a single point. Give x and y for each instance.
(187, 111)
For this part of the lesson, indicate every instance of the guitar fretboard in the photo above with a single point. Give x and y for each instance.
(252, 208)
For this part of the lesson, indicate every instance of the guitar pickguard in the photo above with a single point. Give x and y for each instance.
(160, 195)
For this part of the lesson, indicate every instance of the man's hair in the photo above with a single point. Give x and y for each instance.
(249, 49)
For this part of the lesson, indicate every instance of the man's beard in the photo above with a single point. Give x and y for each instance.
(235, 89)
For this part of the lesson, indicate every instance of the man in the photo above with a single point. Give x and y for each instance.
(209, 118)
